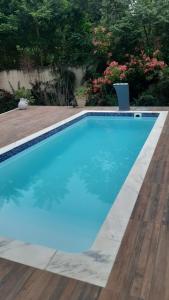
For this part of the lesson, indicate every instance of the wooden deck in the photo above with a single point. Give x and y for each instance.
(141, 269)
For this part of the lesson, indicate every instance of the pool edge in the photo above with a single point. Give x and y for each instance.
(86, 266)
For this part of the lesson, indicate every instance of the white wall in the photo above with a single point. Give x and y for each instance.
(15, 76)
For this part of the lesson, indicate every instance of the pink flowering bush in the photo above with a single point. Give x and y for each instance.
(150, 66)
(113, 73)
(139, 68)
(147, 77)
(144, 71)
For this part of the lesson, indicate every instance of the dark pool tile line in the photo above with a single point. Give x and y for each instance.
(38, 139)
(115, 114)
(120, 114)
(44, 136)
(155, 115)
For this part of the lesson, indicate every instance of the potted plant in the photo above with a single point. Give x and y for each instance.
(81, 94)
(25, 97)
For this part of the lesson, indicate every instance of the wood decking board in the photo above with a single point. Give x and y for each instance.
(141, 268)
(20, 282)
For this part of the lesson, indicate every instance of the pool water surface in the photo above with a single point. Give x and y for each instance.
(58, 192)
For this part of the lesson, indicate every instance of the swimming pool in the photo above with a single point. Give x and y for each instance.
(68, 188)
(58, 192)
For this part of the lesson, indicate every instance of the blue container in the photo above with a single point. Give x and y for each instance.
(122, 91)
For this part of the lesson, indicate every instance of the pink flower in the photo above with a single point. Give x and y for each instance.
(107, 71)
(108, 81)
(147, 58)
(146, 71)
(162, 64)
(154, 63)
(122, 76)
(122, 68)
(114, 64)
(133, 61)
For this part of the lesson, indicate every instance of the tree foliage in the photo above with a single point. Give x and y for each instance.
(46, 31)
(49, 32)
(90, 33)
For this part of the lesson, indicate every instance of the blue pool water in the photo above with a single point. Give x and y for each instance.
(58, 192)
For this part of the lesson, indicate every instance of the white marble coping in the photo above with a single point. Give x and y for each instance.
(94, 265)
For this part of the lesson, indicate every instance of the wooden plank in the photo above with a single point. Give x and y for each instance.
(159, 285)
(14, 280)
(133, 271)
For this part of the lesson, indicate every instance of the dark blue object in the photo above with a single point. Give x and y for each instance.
(122, 91)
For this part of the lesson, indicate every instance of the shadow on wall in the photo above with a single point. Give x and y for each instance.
(25, 77)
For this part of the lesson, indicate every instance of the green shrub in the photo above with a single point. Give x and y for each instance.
(105, 99)
(156, 95)
(7, 101)
(145, 100)
(161, 92)
(24, 93)
(58, 91)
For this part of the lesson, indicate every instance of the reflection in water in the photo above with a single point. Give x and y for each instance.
(25, 169)
(58, 192)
